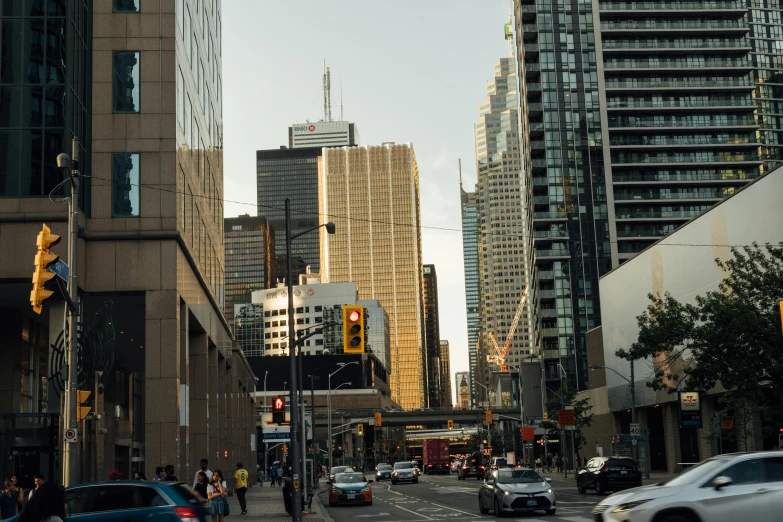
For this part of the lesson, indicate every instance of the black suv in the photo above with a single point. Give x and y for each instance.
(473, 467)
(609, 474)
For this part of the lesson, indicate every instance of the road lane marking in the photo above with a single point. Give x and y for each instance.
(457, 510)
(375, 515)
(413, 512)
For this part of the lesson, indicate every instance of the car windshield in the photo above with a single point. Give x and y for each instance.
(696, 473)
(383, 467)
(519, 476)
(341, 469)
(403, 465)
(349, 478)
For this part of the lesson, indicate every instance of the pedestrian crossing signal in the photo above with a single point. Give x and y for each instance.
(278, 410)
(546, 416)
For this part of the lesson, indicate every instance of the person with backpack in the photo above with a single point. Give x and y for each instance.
(280, 476)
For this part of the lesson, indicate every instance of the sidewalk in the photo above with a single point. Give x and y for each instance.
(265, 504)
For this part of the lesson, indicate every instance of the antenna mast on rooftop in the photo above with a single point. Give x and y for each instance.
(327, 84)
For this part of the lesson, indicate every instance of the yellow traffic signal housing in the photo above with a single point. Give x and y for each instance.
(353, 329)
(43, 258)
(451, 424)
(488, 416)
(378, 419)
(360, 430)
(546, 416)
(82, 410)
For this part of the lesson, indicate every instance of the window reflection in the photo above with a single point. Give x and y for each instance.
(126, 6)
(125, 186)
(126, 81)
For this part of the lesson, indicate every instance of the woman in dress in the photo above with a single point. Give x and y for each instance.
(18, 491)
(216, 494)
(201, 484)
(8, 500)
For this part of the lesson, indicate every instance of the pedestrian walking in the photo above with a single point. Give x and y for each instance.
(240, 484)
(217, 496)
(280, 476)
(288, 489)
(170, 476)
(202, 482)
(114, 475)
(549, 462)
(9, 501)
(160, 474)
(204, 464)
(47, 505)
(139, 476)
(39, 481)
(18, 491)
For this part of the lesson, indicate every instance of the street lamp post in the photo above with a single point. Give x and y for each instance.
(296, 458)
(329, 406)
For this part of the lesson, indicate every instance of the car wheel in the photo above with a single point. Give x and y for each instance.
(497, 509)
(676, 517)
(482, 509)
(551, 511)
(599, 488)
(580, 487)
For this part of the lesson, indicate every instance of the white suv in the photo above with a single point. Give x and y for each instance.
(740, 486)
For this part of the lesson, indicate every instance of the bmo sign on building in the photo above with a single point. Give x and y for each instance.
(322, 134)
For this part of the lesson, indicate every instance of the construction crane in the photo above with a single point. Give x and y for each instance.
(498, 356)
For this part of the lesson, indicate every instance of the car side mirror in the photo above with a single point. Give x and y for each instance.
(721, 482)
(548, 479)
(369, 481)
(490, 481)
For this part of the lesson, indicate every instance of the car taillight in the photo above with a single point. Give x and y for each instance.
(429, 465)
(605, 466)
(186, 514)
(481, 467)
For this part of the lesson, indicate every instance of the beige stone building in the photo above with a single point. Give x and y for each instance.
(150, 270)
(372, 196)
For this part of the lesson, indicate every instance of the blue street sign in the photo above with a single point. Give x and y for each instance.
(61, 269)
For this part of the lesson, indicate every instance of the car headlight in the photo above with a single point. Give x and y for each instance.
(629, 505)
(395, 473)
(506, 493)
(549, 490)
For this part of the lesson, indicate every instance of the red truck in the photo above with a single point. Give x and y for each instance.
(436, 456)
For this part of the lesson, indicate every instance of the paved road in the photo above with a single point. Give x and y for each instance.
(439, 498)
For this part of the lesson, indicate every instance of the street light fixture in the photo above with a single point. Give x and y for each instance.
(329, 405)
(296, 458)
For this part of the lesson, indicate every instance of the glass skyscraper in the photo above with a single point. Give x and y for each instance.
(470, 256)
(432, 333)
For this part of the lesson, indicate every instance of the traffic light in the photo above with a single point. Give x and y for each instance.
(278, 410)
(285, 450)
(353, 329)
(82, 409)
(378, 419)
(451, 424)
(488, 416)
(781, 314)
(546, 416)
(360, 430)
(43, 258)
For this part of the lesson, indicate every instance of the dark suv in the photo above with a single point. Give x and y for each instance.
(473, 467)
(609, 474)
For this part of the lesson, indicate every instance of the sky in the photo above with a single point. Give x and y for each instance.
(412, 71)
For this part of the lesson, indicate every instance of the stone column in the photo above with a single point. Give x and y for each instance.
(212, 407)
(187, 469)
(222, 416)
(709, 432)
(671, 433)
(162, 366)
(199, 392)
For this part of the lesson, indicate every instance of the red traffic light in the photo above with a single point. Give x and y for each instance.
(279, 404)
(353, 316)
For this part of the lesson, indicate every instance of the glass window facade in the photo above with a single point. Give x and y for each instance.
(432, 333)
(127, 6)
(127, 87)
(470, 255)
(44, 59)
(125, 185)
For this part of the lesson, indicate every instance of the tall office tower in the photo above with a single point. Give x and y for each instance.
(323, 134)
(445, 373)
(140, 84)
(470, 256)
(290, 173)
(462, 385)
(432, 337)
(372, 196)
(250, 259)
(501, 232)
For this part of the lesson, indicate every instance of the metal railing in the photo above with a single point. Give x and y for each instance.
(678, 24)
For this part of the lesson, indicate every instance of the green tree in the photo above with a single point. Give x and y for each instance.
(729, 337)
(582, 415)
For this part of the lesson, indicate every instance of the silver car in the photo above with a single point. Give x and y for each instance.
(519, 490)
(404, 472)
(740, 486)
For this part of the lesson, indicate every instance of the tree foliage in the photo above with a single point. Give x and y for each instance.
(582, 415)
(729, 337)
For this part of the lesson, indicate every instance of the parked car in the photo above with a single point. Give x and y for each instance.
(456, 465)
(516, 490)
(338, 469)
(383, 471)
(740, 486)
(499, 462)
(473, 467)
(126, 500)
(608, 474)
(350, 488)
(405, 472)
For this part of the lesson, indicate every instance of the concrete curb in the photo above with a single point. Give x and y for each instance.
(319, 508)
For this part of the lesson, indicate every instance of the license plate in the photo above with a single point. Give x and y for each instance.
(623, 473)
(531, 502)
(351, 497)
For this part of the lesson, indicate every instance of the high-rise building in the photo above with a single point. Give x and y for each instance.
(432, 337)
(502, 234)
(377, 323)
(372, 196)
(470, 256)
(250, 259)
(656, 121)
(445, 375)
(462, 385)
(140, 84)
(323, 134)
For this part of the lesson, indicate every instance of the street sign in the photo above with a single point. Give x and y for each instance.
(566, 418)
(61, 269)
(633, 442)
(635, 430)
(528, 433)
(70, 436)
(726, 423)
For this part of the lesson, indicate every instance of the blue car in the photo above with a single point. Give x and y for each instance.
(134, 501)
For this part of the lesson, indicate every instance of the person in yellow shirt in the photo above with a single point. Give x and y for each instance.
(240, 484)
